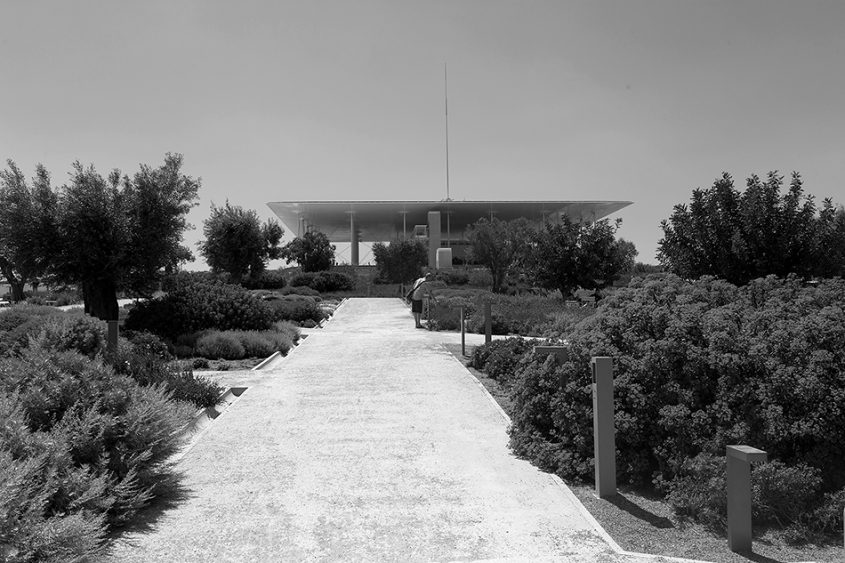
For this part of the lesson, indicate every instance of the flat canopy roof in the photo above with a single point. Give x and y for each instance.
(385, 220)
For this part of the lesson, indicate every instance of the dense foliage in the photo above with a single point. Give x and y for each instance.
(191, 306)
(569, 255)
(296, 308)
(741, 236)
(699, 366)
(499, 359)
(145, 358)
(323, 281)
(121, 233)
(499, 245)
(268, 279)
(27, 227)
(81, 448)
(400, 261)
(236, 242)
(312, 251)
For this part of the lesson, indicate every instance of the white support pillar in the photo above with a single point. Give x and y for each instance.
(353, 240)
(433, 238)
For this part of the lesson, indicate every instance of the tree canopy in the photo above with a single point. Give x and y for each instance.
(236, 242)
(570, 254)
(499, 245)
(400, 261)
(120, 232)
(312, 251)
(27, 226)
(740, 236)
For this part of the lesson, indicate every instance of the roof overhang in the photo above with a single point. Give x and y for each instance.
(386, 220)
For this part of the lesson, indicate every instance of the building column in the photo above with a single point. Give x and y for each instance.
(433, 237)
(353, 240)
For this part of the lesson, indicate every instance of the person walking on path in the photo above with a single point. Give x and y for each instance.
(417, 293)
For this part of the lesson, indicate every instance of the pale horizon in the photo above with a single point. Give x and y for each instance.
(285, 101)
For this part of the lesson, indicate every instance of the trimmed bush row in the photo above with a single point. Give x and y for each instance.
(193, 306)
(699, 365)
(236, 345)
(324, 281)
(537, 315)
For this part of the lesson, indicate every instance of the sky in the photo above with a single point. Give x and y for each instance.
(631, 100)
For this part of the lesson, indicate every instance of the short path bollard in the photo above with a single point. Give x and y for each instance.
(488, 322)
(463, 334)
(740, 459)
(604, 431)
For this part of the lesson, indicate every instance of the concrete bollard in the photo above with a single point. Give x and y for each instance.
(111, 344)
(463, 334)
(488, 322)
(739, 462)
(604, 431)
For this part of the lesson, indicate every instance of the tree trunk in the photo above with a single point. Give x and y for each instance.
(17, 289)
(100, 299)
(16, 285)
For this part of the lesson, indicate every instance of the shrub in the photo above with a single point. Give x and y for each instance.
(780, 494)
(180, 279)
(195, 306)
(94, 446)
(499, 358)
(480, 277)
(268, 279)
(299, 290)
(324, 281)
(52, 510)
(288, 329)
(81, 333)
(220, 345)
(296, 308)
(454, 277)
(262, 344)
(146, 360)
(57, 330)
(698, 366)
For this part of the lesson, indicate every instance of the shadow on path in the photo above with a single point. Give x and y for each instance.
(622, 503)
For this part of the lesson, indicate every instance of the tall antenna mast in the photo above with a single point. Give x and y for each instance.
(446, 99)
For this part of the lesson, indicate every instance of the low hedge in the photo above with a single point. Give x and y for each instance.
(239, 344)
(324, 281)
(192, 306)
(699, 365)
(268, 279)
(295, 308)
(72, 330)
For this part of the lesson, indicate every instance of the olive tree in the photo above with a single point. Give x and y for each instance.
(121, 233)
(236, 242)
(27, 227)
